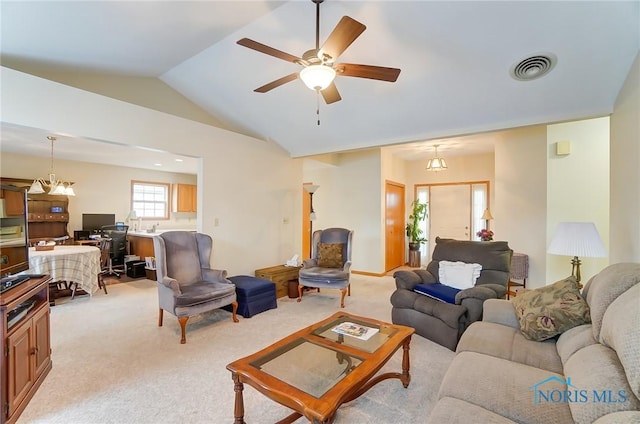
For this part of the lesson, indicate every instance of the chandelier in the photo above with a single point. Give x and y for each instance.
(437, 163)
(56, 186)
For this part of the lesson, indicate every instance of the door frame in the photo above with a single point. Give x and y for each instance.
(387, 235)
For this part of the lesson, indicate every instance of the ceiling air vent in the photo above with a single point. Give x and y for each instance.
(533, 67)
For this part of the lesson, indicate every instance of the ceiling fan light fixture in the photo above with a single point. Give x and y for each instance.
(317, 77)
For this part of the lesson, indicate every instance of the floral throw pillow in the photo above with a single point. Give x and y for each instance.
(551, 310)
(330, 255)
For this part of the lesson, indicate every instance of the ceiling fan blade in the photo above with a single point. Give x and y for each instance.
(330, 94)
(367, 71)
(276, 83)
(343, 35)
(262, 48)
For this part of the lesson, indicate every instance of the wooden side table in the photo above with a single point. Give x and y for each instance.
(285, 277)
(519, 273)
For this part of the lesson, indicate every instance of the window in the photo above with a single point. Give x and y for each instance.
(150, 200)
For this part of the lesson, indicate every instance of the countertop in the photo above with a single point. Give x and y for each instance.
(150, 235)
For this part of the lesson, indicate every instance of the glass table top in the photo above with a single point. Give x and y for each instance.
(315, 368)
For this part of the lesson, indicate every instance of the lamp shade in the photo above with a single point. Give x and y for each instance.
(36, 188)
(487, 215)
(317, 77)
(577, 239)
(310, 188)
(436, 164)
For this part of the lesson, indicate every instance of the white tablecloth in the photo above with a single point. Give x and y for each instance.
(78, 264)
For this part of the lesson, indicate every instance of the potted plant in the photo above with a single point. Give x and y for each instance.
(413, 230)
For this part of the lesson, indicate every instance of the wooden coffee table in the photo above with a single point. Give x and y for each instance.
(315, 370)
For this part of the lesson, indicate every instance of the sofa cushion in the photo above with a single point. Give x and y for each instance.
(597, 371)
(438, 291)
(622, 417)
(621, 332)
(551, 310)
(203, 291)
(508, 343)
(331, 255)
(573, 340)
(459, 275)
(455, 411)
(606, 286)
(504, 387)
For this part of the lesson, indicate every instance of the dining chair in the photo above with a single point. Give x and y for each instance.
(105, 256)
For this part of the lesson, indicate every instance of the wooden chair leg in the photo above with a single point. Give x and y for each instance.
(343, 292)
(349, 290)
(101, 284)
(233, 312)
(183, 328)
(160, 315)
(300, 289)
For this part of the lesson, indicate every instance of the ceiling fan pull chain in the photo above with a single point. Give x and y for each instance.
(318, 105)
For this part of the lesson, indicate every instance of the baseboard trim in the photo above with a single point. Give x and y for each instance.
(370, 274)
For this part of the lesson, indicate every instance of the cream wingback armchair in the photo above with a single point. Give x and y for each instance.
(187, 285)
(330, 262)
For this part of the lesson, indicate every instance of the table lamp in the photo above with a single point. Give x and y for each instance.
(577, 239)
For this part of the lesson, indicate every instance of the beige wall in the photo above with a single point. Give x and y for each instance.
(625, 171)
(349, 196)
(252, 187)
(578, 188)
(520, 196)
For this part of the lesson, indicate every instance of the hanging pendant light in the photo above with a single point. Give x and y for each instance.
(56, 187)
(437, 163)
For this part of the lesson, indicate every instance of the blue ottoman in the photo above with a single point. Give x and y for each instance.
(254, 295)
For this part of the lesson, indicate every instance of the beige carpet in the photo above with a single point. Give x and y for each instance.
(113, 364)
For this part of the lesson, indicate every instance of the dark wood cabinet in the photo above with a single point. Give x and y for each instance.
(43, 221)
(48, 214)
(26, 358)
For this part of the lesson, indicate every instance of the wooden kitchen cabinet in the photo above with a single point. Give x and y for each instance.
(140, 245)
(185, 198)
(13, 202)
(26, 360)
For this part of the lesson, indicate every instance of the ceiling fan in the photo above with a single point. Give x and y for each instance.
(319, 67)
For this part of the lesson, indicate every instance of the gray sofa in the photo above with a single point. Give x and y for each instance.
(588, 374)
(444, 322)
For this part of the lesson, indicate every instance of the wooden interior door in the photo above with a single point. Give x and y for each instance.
(449, 212)
(394, 225)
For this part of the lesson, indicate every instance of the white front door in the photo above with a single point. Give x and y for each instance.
(450, 213)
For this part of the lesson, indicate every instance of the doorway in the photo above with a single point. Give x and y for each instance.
(394, 225)
(455, 211)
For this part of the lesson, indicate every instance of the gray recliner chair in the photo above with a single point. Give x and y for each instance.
(330, 262)
(187, 285)
(444, 321)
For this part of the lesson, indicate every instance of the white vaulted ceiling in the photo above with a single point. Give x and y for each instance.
(455, 59)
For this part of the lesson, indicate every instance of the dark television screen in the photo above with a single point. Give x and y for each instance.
(14, 237)
(94, 221)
